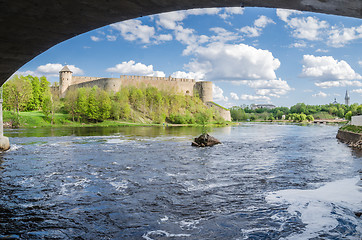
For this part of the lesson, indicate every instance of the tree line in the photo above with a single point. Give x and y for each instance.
(298, 112)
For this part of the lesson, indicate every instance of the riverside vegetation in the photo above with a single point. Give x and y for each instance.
(297, 113)
(29, 101)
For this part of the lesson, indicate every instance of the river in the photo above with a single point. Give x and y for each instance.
(266, 181)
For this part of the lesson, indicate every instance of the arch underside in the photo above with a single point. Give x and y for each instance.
(30, 27)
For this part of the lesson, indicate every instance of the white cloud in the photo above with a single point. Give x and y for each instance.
(271, 88)
(133, 29)
(341, 37)
(222, 35)
(220, 61)
(320, 94)
(26, 73)
(218, 94)
(309, 28)
(329, 84)
(250, 31)
(263, 21)
(111, 38)
(95, 39)
(188, 75)
(322, 50)
(228, 12)
(283, 14)
(360, 63)
(234, 96)
(326, 68)
(301, 44)
(254, 98)
(52, 69)
(259, 24)
(133, 68)
(357, 90)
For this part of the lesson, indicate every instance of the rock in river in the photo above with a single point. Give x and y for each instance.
(205, 140)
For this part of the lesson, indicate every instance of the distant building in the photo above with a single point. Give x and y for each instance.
(335, 101)
(267, 106)
(346, 99)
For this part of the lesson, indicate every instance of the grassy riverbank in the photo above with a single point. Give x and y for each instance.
(37, 119)
(352, 128)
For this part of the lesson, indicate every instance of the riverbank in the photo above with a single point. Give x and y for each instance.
(37, 119)
(351, 135)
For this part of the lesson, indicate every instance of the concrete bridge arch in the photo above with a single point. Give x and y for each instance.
(30, 27)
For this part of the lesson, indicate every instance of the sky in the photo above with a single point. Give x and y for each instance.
(252, 55)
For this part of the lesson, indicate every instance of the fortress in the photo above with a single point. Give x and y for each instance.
(181, 85)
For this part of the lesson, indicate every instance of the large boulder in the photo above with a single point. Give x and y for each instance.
(205, 140)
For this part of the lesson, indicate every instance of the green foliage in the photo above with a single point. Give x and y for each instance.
(310, 118)
(147, 104)
(17, 93)
(328, 111)
(47, 105)
(352, 128)
(348, 115)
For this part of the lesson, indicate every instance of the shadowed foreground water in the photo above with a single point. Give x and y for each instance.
(266, 181)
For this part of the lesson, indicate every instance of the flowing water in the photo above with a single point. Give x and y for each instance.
(266, 181)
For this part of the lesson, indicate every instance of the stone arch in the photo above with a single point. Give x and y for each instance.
(30, 27)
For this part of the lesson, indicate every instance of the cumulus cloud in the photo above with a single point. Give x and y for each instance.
(234, 96)
(220, 61)
(283, 14)
(271, 88)
(52, 69)
(111, 38)
(254, 98)
(309, 28)
(329, 84)
(259, 24)
(357, 90)
(228, 12)
(133, 68)
(96, 39)
(218, 94)
(133, 29)
(320, 94)
(328, 69)
(339, 37)
(189, 75)
(301, 44)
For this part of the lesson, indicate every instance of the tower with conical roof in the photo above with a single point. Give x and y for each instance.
(65, 80)
(346, 99)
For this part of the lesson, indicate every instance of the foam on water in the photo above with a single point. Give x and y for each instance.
(161, 233)
(321, 208)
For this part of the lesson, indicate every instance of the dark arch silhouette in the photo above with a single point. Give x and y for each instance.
(30, 27)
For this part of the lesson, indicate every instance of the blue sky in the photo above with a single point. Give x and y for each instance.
(252, 55)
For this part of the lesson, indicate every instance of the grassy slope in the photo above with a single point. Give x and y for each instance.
(37, 119)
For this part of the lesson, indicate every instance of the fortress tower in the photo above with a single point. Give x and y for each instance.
(204, 88)
(65, 80)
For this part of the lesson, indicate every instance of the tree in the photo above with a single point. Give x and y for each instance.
(348, 115)
(35, 101)
(17, 93)
(310, 118)
(71, 102)
(104, 105)
(47, 105)
(93, 113)
(82, 103)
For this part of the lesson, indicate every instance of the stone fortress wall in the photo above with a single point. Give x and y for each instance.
(181, 85)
